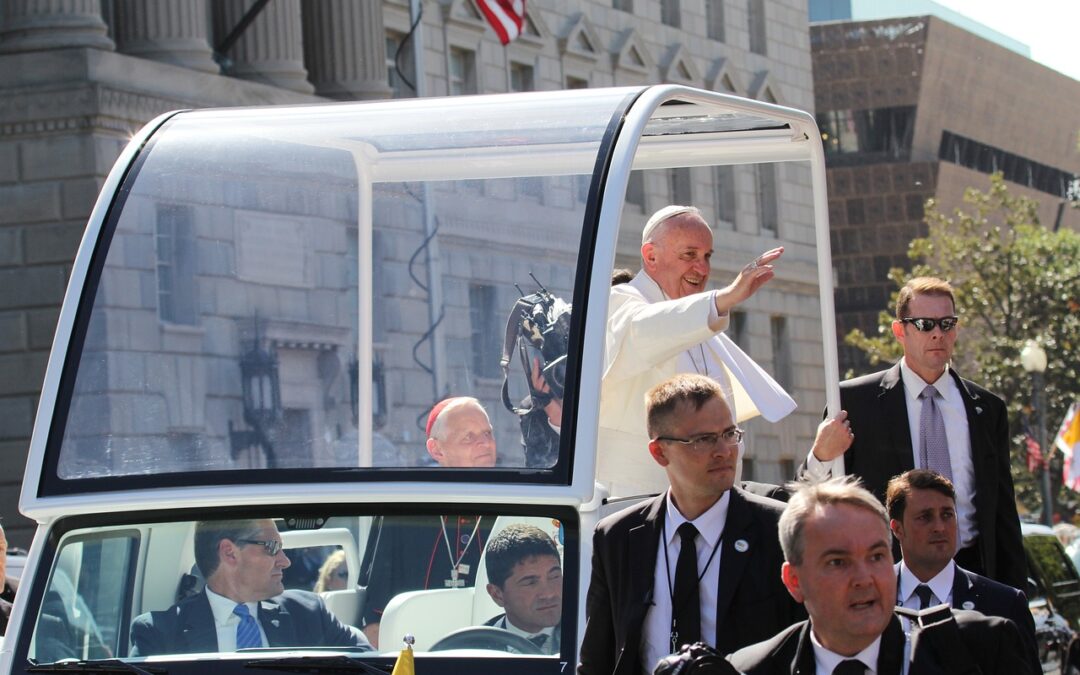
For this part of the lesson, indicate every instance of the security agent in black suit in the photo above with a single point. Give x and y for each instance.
(525, 579)
(244, 603)
(922, 516)
(836, 542)
(887, 420)
(638, 603)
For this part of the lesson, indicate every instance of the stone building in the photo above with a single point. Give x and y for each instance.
(79, 77)
(913, 108)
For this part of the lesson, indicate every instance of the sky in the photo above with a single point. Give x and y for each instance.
(1050, 27)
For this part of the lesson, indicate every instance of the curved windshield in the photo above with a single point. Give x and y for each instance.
(484, 584)
(300, 288)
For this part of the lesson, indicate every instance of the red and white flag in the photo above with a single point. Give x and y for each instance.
(505, 16)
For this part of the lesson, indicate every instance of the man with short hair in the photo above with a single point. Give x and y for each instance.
(525, 579)
(921, 414)
(664, 322)
(698, 562)
(244, 605)
(838, 563)
(423, 552)
(922, 515)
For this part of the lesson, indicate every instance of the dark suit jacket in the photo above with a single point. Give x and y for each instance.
(752, 603)
(551, 647)
(986, 596)
(991, 644)
(7, 596)
(882, 449)
(292, 619)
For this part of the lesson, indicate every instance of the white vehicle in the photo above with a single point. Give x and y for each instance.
(266, 304)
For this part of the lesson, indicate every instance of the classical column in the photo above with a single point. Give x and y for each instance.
(172, 31)
(270, 50)
(345, 49)
(31, 25)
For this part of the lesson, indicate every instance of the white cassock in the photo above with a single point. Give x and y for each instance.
(650, 339)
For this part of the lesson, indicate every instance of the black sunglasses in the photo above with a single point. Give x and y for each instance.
(925, 325)
(271, 546)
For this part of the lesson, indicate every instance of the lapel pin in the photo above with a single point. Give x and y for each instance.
(275, 623)
(968, 605)
(978, 410)
(741, 546)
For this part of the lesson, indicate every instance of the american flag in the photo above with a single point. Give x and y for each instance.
(505, 16)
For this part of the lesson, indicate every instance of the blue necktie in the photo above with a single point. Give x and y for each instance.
(247, 633)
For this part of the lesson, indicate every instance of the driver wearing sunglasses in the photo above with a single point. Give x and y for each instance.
(921, 414)
(245, 604)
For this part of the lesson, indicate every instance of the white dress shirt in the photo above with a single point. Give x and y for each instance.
(954, 415)
(940, 586)
(825, 661)
(656, 630)
(226, 622)
(549, 643)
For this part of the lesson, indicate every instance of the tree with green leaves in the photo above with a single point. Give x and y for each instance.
(1015, 280)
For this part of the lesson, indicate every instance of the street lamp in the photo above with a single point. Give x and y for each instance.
(261, 389)
(1033, 359)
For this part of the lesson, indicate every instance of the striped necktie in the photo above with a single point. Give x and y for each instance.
(247, 633)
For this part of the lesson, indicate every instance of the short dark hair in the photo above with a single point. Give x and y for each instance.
(621, 275)
(922, 286)
(513, 544)
(900, 487)
(209, 535)
(665, 398)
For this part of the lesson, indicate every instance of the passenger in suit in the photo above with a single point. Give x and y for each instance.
(7, 589)
(525, 579)
(244, 604)
(662, 574)
(835, 537)
(957, 428)
(922, 515)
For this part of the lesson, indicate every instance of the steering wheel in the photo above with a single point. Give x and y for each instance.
(485, 637)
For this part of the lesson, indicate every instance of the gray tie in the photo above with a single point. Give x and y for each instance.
(933, 444)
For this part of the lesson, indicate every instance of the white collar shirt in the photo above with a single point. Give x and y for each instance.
(656, 631)
(954, 414)
(549, 643)
(225, 622)
(825, 661)
(941, 587)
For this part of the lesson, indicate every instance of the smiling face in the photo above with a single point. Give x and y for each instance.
(927, 533)
(532, 594)
(845, 578)
(927, 353)
(465, 439)
(678, 255)
(698, 475)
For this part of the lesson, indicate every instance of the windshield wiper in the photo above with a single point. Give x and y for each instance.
(319, 664)
(95, 666)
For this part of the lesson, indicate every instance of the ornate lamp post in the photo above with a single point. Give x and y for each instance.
(1033, 359)
(262, 401)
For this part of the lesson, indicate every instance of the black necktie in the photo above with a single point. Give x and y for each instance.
(924, 593)
(849, 667)
(539, 640)
(686, 604)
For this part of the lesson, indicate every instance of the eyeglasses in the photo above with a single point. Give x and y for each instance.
(271, 546)
(706, 442)
(925, 325)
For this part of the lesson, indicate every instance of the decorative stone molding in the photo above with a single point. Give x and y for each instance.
(33, 25)
(462, 14)
(723, 78)
(345, 49)
(580, 40)
(631, 53)
(171, 31)
(678, 67)
(764, 89)
(271, 49)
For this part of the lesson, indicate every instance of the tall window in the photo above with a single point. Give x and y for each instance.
(670, 14)
(521, 77)
(748, 468)
(176, 265)
(714, 19)
(737, 329)
(397, 80)
(724, 186)
(767, 198)
(462, 71)
(781, 347)
(576, 82)
(486, 351)
(756, 11)
(624, 5)
(635, 190)
(679, 186)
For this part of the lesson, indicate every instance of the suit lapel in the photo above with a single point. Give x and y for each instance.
(732, 561)
(277, 623)
(803, 663)
(197, 628)
(891, 652)
(892, 398)
(641, 546)
(963, 591)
